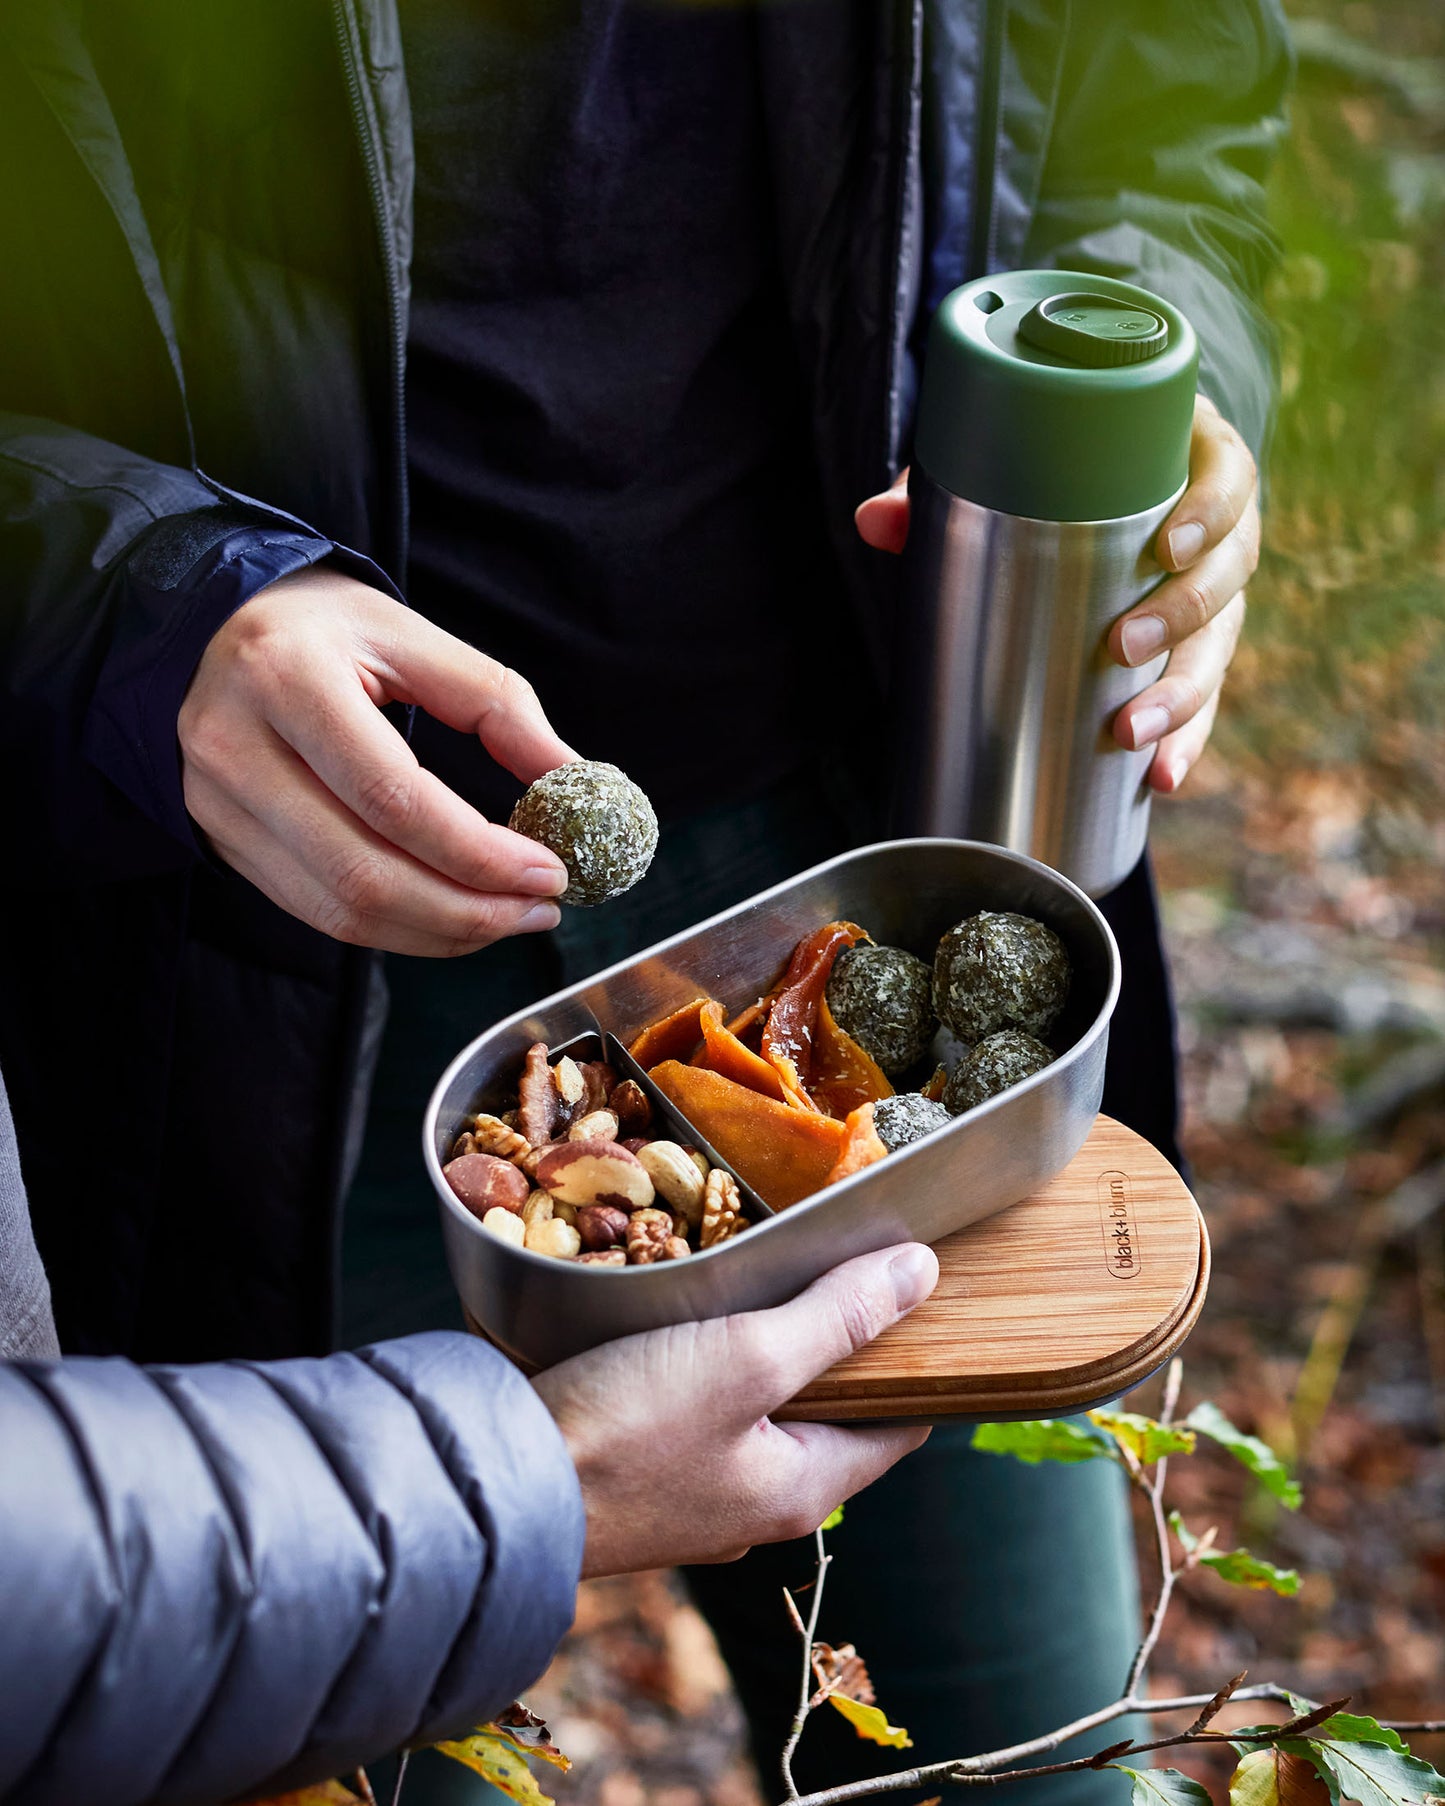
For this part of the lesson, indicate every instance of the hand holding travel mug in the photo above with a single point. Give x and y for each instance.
(1053, 441)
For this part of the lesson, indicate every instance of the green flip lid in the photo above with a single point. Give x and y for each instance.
(1058, 396)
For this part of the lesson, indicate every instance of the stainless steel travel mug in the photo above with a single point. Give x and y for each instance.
(1053, 440)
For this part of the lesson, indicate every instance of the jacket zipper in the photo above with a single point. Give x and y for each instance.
(346, 34)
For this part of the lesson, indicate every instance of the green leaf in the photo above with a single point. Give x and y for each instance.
(1376, 1774)
(1241, 1569)
(1163, 1787)
(869, 1722)
(1142, 1436)
(1353, 1727)
(1257, 1456)
(833, 1519)
(1043, 1439)
(1237, 1566)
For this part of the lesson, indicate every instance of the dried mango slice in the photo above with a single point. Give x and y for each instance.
(784, 1153)
(793, 1009)
(672, 1038)
(723, 1052)
(845, 1076)
(862, 1148)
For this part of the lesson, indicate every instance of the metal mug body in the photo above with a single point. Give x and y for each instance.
(1005, 694)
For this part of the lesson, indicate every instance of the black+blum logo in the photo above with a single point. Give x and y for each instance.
(1120, 1225)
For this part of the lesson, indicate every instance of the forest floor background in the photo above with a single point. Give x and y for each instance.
(1301, 871)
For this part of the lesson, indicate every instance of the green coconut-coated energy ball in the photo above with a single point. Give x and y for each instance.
(999, 970)
(1001, 1060)
(883, 998)
(906, 1117)
(597, 822)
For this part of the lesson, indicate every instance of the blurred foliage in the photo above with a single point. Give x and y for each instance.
(1344, 658)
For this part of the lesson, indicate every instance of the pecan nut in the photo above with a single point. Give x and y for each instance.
(538, 1103)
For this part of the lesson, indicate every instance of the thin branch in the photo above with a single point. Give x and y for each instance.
(400, 1777)
(809, 1635)
(363, 1787)
(982, 1767)
(1423, 1725)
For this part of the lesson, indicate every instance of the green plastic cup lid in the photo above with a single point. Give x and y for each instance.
(1087, 328)
(1058, 396)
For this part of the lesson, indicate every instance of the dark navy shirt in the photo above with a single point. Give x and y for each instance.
(610, 484)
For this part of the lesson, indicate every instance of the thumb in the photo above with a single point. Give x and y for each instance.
(882, 521)
(773, 1354)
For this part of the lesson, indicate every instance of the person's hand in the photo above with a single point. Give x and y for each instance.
(301, 784)
(670, 1434)
(1210, 545)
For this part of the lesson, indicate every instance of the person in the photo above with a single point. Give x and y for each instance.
(238, 1577)
(589, 326)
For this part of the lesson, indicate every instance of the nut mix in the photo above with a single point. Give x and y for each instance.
(795, 1092)
(577, 1192)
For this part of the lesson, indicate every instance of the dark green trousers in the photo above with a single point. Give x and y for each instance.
(991, 1601)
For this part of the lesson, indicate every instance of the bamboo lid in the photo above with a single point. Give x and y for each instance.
(1067, 1299)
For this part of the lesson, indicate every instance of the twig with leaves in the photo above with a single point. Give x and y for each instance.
(1318, 1747)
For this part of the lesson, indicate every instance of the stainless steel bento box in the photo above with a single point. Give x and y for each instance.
(904, 893)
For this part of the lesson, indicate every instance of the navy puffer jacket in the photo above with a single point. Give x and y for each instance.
(229, 1579)
(234, 1578)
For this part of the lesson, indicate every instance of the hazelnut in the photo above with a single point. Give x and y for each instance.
(634, 1143)
(598, 1125)
(553, 1237)
(483, 1182)
(631, 1105)
(506, 1225)
(601, 1226)
(594, 1172)
(675, 1178)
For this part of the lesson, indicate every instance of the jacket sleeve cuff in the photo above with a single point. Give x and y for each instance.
(522, 1489)
(186, 578)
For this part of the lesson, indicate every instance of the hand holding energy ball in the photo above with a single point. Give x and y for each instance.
(1210, 544)
(301, 784)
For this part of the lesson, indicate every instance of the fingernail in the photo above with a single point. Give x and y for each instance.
(539, 918)
(1142, 638)
(545, 880)
(1185, 544)
(1149, 725)
(914, 1273)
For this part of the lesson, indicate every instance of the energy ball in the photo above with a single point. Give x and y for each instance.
(597, 822)
(1004, 1059)
(882, 997)
(998, 971)
(906, 1117)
